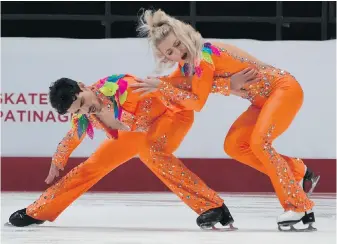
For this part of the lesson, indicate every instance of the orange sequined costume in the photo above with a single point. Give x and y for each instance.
(155, 134)
(275, 101)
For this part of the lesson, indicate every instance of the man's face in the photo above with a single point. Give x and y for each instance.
(86, 102)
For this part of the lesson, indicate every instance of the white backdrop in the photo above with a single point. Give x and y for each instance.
(30, 65)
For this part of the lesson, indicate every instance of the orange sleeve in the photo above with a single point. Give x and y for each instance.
(201, 86)
(221, 85)
(240, 54)
(66, 147)
(175, 77)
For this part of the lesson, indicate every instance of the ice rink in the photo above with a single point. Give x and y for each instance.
(103, 218)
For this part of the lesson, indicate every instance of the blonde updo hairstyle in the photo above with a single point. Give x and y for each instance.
(157, 25)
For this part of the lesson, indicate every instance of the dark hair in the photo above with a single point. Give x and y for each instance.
(62, 94)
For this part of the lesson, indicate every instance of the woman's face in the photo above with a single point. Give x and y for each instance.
(173, 49)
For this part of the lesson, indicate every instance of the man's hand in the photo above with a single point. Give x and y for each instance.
(53, 173)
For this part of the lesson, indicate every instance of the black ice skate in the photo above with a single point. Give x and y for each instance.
(210, 218)
(21, 219)
(309, 177)
(290, 218)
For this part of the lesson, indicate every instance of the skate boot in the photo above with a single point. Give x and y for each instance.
(290, 218)
(309, 177)
(21, 219)
(210, 218)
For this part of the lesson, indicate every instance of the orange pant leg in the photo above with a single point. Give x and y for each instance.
(163, 139)
(109, 155)
(275, 117)
(237, 144)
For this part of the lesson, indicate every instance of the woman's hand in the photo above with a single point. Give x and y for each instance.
(146, 86)
(243, 78)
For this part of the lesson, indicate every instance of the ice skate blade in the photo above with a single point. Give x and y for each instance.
(8, 224)
(293, 229)
(213, 228)
(288, 223)
(313, 185)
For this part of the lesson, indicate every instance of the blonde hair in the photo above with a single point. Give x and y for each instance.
(157, 25)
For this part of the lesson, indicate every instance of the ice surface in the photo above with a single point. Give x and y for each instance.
(102, 218)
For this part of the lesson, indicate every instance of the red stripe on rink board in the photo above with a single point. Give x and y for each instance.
(223, 175)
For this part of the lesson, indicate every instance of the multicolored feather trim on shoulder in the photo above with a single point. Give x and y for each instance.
(115, 89)
(206, 53)
(208, 50)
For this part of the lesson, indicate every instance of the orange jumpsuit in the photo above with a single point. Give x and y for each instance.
(275, 101)
(155, 134)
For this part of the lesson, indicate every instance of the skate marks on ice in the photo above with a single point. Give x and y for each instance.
(135, 235)
(162, 218)
(104, 229)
